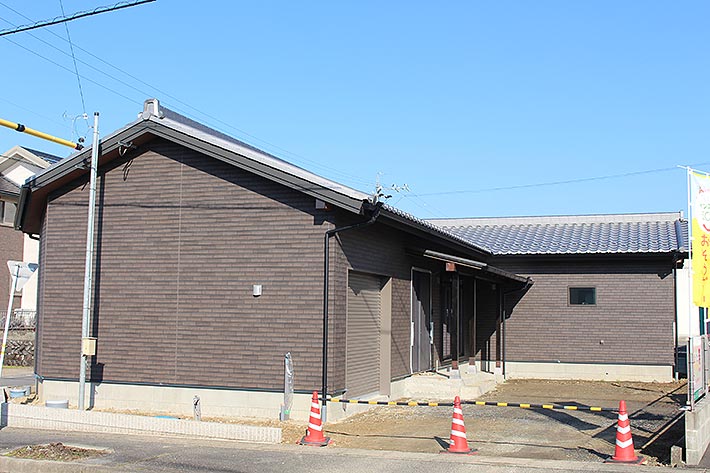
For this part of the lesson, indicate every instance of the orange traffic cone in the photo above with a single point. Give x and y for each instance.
(457, 442)
(314, 433)
(624, 452)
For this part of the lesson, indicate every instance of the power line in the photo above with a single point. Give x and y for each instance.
(72, 72)
(52, 120)
(76, 68)
(555, 183)
(350, 177)
(75, 16)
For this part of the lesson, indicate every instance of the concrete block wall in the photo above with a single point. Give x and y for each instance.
(697, 431)
(36, 417)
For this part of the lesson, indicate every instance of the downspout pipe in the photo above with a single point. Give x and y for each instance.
(374, 211)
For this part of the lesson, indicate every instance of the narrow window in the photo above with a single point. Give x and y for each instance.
(582, 296)
(7, 212)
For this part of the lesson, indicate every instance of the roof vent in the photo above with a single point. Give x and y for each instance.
(151, 108)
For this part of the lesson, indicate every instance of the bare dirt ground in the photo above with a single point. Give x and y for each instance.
(527, 433)
(579, 435)
(55, 451)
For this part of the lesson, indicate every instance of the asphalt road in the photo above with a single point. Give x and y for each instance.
(166, 454)
(12, 376)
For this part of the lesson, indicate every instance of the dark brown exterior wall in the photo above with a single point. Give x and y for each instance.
(181, 239)
(632, 322)
(11, 243)
(380, 250)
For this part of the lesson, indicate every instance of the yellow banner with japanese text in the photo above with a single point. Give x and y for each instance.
(700, 204)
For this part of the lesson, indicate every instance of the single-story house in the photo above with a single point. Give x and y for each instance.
(209, 267)
(604, 301)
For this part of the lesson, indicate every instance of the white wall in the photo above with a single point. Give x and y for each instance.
(18, 174)
(688, 321)
(30, 254)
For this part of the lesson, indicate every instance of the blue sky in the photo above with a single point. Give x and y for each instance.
(472, 104)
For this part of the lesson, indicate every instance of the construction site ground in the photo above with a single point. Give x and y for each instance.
(582, 435)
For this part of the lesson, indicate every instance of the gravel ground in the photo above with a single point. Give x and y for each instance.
(580, 435)
(525, 433)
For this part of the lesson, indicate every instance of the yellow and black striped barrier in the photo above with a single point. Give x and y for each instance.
(476, 403)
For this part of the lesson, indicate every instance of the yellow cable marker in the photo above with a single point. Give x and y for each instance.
(571, 408)
(480, 403)
(433, 404)
(502, 404)
(353, 401)
(595, 408)
(548, 406)
(412, 403)
(392, 403)
(525, 406)
(23, 129)
(372, 402)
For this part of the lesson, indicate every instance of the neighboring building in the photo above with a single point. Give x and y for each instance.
(209, 265)
(603, 304)
(16, 165)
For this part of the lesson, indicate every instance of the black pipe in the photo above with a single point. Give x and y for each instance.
(374, 211)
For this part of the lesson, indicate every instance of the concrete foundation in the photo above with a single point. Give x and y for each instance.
(178, 401)
(589, 372)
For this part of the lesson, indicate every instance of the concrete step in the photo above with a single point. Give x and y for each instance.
(445, 386)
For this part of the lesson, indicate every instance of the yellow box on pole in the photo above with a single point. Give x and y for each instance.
(88, 346)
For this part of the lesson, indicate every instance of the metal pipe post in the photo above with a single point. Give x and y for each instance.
(89, 258)
(13, 287)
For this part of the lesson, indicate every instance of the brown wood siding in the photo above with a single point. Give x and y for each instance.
(379, 249)
(181, 239)
(40, 295)
(633, 316)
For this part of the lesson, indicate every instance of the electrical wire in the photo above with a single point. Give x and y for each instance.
(272, 145)
(72, 72)
(73, 56)
(52, 120)
(350, 177)
(555, 183)
(75, 16)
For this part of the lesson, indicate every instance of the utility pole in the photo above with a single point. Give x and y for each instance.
(88, 346)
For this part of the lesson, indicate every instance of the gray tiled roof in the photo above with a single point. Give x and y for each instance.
(574, 234)
(159, 118)
(8, 187)
(50, 158)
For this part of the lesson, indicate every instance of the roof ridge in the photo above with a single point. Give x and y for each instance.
(559, 219)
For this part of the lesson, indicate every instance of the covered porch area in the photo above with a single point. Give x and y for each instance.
(459, 312)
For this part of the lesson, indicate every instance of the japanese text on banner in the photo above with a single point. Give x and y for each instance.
(700, 203)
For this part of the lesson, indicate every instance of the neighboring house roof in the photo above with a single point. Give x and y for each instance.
(574, 234)
(7, 187)
(50, 158)
(157, 121)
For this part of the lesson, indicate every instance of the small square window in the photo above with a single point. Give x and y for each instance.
(582, 296)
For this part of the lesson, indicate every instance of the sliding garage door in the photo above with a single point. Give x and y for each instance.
(364, 320)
